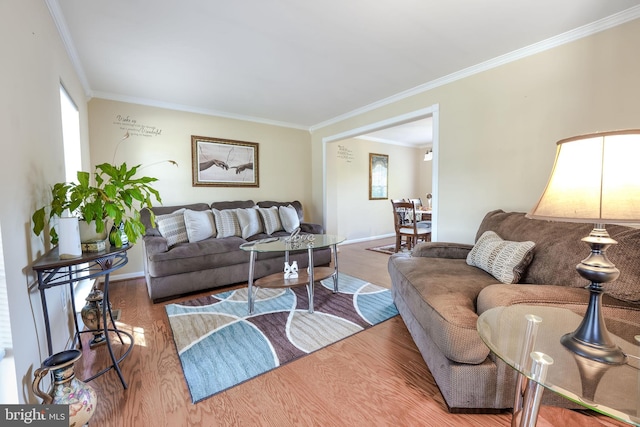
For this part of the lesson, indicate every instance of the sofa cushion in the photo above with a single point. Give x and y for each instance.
(200, 225)
(172, 227)
(289, 218)
(559, 248)
(250, 223)
(441, 293)
(296, 204)
(237, 204)
(270, 219)
(151, 229)
(227, 224)
(503, 259)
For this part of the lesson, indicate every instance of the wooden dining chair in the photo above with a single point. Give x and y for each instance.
(406, 225)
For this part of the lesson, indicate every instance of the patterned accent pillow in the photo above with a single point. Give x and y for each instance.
(270, 219)
(249, 220)
(200, 225)
(172, 227)
(289, 218)
(227, 223)
(504, 260)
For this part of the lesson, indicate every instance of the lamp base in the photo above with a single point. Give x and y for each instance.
(611, 355)
(591, 339)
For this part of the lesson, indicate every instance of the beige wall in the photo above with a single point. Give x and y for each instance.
(159, 134)
(350, 213)
(35, 63)
(498, 129)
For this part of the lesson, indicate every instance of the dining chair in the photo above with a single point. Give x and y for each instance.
(406, 225)
(417, 202)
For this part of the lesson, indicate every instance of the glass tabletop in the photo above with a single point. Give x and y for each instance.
(282, 244)
(613, 390)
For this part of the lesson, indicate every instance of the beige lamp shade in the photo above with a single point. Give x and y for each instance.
(595, 178)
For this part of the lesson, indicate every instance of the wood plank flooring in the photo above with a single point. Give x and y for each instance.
(374, 378)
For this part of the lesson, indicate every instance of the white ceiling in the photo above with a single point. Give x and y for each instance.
(304, 63)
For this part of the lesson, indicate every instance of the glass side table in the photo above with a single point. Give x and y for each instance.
(527, 338)
(306, 278)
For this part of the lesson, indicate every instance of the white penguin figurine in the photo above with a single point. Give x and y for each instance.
(287, 270)
(294, 270)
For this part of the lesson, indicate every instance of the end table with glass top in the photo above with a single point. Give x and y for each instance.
(308, 242)
(527, 338)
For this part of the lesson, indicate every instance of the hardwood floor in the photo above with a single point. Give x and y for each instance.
(374, 378)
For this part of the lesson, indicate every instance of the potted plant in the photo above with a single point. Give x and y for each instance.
(115, 195)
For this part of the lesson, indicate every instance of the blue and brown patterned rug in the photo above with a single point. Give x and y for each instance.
(220, 345)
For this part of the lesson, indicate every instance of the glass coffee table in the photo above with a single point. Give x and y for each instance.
(527, 338)
(307, 242)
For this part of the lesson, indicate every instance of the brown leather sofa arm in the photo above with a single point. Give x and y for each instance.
(441, 250)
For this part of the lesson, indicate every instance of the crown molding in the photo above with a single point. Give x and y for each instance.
(197, 110)
(567, 37)
(67, 41)
(550, 43)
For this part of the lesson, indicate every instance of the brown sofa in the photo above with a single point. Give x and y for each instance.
(439, 297)
(188, 267)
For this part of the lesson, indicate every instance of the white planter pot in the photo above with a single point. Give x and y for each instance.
(69, 238)
(88, 231)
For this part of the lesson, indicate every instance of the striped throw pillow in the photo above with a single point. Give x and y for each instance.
(504, 260)
(227, 223)
(270, 219)
(172, 227)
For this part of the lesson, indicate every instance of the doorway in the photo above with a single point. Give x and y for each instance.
(377, 211)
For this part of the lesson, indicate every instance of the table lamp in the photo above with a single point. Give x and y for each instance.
(595, 179)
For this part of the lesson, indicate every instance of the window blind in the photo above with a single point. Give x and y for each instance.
(5, 324)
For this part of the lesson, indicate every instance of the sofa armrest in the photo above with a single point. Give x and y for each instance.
(154, 245)
(307, 227)
(442, 250)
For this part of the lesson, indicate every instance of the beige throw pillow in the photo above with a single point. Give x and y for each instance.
(172, 227)
(200, 225)
(504, 260)
(289, 218)
(249, 220)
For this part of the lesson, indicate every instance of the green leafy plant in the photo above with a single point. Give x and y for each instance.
(116, 194)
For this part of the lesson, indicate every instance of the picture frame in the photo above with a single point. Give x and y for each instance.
(218, 162)
(378, 176)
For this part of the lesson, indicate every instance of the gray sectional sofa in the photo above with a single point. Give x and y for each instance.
(172, 270)
(440, 296)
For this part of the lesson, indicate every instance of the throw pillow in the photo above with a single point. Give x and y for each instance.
(200, 225)
(172, 227)
(504, 260)
(270, 219)
(249, 220)
(289, 218)
(227, 224)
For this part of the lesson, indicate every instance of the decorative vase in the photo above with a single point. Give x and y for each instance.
(66, 388)
(88, 231)
(115, 231)
(91, 315)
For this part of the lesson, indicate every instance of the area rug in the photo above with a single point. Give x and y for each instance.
(389, 249)
(221, 346)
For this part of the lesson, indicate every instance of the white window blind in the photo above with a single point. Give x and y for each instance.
(5, 324)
